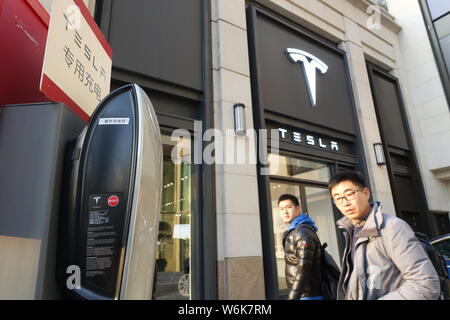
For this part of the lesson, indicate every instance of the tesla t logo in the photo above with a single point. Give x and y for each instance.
(310, 63)
(96, 200)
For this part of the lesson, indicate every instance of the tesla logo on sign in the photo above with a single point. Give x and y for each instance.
(311, 65)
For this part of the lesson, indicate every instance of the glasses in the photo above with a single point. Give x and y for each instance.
(349, 195)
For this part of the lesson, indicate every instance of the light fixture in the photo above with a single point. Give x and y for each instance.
(379, 154)
(239, 119)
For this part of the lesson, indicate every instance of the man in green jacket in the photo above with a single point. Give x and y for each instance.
(382, 259)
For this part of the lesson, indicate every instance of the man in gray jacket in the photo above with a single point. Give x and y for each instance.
(382, 259)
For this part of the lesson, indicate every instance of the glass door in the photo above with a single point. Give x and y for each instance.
(277, 189)
(174, 238)
(320, 209)
(307, 180)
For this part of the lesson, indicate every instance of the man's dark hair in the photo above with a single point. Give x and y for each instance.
(348, 175)
(287, 196)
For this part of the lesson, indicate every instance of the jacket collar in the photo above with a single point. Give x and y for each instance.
(303, 218)
(371, 227)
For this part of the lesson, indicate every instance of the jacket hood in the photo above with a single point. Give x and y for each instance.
(302, 219)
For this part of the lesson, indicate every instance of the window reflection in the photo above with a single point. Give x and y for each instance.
(317, 199)
(279, 227)
(174, 238)
(298, 168)
(320, 210)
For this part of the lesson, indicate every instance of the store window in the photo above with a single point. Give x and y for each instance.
(298, 168)
(174, 238)
(442, 222)
(438, 8)
(320, 209)
(279, 227)
(307, 180)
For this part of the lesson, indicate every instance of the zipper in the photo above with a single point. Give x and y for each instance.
(347, 266)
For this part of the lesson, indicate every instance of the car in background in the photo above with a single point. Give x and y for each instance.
(172, 285)
(442, 244)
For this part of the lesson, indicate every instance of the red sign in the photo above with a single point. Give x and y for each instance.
(113, 201)
(23, 35)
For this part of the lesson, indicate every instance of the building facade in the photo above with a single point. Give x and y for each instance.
(331, 79)
(385, 104)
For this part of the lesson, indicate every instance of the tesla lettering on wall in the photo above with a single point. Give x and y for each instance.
(308, 139)
(311, 64)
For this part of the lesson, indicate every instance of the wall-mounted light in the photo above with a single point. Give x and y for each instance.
(239, 119)
(379, 154)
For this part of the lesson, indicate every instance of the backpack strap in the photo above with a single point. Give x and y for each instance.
(308, 226)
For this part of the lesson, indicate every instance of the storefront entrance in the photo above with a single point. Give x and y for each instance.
(307, 180)
(317, 127)
(174, 238)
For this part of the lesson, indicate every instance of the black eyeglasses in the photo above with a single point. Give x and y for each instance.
(349, 195)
